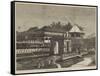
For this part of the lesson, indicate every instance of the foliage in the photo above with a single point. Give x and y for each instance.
(55, 27)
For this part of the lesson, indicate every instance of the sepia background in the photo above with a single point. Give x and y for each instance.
(31, 15)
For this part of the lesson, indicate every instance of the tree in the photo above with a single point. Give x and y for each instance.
(56, 25)
(53, 24)
(67, 27)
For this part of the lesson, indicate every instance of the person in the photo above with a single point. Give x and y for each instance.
(40, 64)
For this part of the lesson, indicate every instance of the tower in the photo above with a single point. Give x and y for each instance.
(76, 35)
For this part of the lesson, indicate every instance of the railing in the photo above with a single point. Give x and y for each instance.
(70, 55)
(23, 51)
(30, 41)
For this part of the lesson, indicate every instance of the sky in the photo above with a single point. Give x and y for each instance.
(39, 15)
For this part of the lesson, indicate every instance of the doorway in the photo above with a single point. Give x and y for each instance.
(56, 47)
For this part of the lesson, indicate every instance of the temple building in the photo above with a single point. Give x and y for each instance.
(49, 43)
